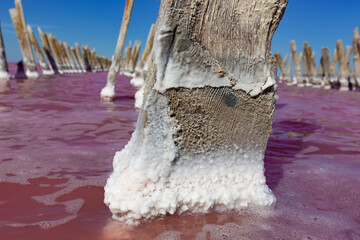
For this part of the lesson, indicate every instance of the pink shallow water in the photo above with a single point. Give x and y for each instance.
(57, 141)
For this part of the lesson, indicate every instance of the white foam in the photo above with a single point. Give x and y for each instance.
(147, 181)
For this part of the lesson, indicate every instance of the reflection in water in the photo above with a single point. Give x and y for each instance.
(58, 140)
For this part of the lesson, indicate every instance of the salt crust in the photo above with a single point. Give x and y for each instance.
(30, 74)
(4, 75)
(172, 74)
(108, 90)
(147, 181)
(139, 97)
(137, 82)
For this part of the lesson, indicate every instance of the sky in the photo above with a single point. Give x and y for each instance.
(97, 23)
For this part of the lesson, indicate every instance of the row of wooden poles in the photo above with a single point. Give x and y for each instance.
(306, 73)
(61, 58)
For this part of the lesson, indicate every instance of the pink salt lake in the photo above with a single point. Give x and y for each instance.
(57, 141)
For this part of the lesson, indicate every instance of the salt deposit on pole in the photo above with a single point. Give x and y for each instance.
(109, 90)
(4, 69)
(208, 107)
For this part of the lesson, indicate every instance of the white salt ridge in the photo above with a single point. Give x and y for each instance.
(147, 182)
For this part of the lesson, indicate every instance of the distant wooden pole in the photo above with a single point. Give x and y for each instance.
(4, 69)
(86, 58)
(47, 51)
(55, 51)
(70, 57)
(343, 69)
(297, 61)
(135, 55)
(147, 49)
(324, 71)
(109, 90)
(73, 50)
(44, 66)
(285, 73)
(127, 58)
(356, 57)
(81, 57)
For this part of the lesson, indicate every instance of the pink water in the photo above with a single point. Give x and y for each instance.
(57, 141)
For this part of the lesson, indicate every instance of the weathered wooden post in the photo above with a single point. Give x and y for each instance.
(208, 107)
(43, 64)
(285, 72)
(297, 62)
(47, 50)
(324, 70)
(4, 69)
(55, 51)
(18, 19)
(304, 67)
(126, 64)
(134, 56)
(86, 58)
(81, 57)
(356, 58)
(78, 64)
(71, 59)
(142, 67)
(343, 68)
(109, 90)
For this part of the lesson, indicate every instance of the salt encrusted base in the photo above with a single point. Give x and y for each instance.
(30, 74)
(47, 72)
(148, 180)
(137, 82)
(4, 75)
(108, 91)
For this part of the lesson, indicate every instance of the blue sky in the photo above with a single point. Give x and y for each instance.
(97, 23)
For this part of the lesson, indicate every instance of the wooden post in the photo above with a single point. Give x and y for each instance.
(208, 106)
(86, 58)
(356, 57)
(109, 90)
(297, 61)
(285, 72)
(324, 70)
(343, 68)
(18, 19)
(4, 69)
(43, 64)
(77, 61)
(47, 50)
(134, 56)
(80, 56)
(69, 56)
(55, 51)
